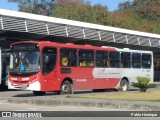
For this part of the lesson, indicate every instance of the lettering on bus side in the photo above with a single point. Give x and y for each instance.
(65, 70)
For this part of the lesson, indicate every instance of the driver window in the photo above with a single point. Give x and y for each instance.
(49, 59)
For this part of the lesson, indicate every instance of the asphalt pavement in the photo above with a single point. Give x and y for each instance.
(26, 101)
(51, 99)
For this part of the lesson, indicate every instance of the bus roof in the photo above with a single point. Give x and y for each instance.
(131, 50)
(87, 46)
(67, 45)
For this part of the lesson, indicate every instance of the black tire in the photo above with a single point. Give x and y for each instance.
(66, 88)
(38, 93)
(99, 90)
(124, 85)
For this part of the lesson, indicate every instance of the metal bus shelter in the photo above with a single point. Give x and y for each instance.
(17, 26)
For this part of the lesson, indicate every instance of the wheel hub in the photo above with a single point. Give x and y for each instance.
(65, 88)
(124, 87)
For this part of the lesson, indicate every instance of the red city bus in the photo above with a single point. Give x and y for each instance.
(63, 68)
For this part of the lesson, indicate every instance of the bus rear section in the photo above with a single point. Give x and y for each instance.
(64, 68)
(125, 66)
(134, 63)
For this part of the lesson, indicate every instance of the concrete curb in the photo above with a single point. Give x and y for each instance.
(110, 104)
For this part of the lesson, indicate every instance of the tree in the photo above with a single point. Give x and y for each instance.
(141, 15)
(82, 11)
(44, 7)
(124, 5)
(68, 1)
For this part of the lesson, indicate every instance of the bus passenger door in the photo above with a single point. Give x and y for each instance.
(49, 63)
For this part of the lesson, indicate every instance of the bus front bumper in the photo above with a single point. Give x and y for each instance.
(33, 86)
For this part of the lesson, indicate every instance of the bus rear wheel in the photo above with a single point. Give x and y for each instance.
(124, 85)
(38, 93)
(65, 88)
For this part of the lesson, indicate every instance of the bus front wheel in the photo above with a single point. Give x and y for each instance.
(124, 85)
(38, 93)
(65, 88)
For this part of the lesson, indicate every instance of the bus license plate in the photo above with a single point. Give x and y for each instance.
(20, 86)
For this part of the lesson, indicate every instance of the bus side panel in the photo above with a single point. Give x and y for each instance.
(112, 82)
(133, 73)
(83, 78)
(110, 76)
(86, 78)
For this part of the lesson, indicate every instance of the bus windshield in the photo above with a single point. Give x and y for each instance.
(25, 62)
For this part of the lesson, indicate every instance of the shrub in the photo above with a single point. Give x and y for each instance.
(143, 84)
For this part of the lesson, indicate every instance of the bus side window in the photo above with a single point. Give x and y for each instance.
(146, 60)
(86, 58)
(125, 60)
(136, 60)
(114, 58)
(101, 59)
(68, 57)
